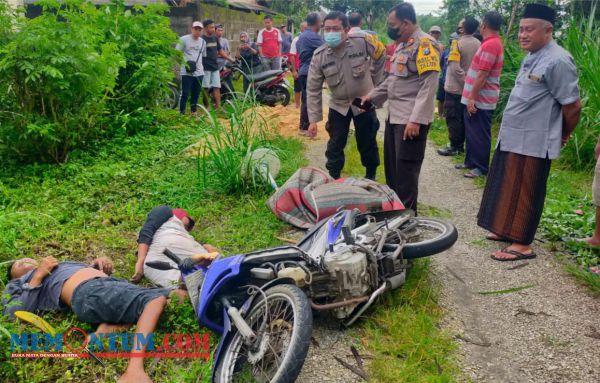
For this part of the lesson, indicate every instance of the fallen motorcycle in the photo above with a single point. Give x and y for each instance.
(261, 302)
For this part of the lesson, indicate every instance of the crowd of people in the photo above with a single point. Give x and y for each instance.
(542, 112)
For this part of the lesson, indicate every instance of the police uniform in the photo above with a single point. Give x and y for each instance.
(410, 90)
(350, 73)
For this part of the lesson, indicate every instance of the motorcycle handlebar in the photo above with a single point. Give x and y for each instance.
(159, 265)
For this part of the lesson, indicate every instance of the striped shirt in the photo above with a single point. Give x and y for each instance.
(489, 57)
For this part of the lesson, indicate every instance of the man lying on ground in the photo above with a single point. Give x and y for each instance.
(93, 296)
(166, 228)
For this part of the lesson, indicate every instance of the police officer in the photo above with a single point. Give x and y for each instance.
(410, 90)
(352, 65)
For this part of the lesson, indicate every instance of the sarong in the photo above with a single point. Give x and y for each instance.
(513, 199)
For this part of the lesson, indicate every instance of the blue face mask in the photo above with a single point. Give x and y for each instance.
(333, 39)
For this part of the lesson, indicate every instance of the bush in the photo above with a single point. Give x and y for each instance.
(77, 74)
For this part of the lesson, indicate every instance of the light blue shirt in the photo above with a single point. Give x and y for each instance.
(533, 120)
(193, 50)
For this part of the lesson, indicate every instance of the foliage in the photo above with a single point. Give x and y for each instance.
(76, 74)
(228, 144)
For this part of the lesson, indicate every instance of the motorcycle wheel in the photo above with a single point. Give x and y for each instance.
(282, 95)
(280, 348)
(431, 236)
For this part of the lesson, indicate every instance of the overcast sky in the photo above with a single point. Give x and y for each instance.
(424, 7)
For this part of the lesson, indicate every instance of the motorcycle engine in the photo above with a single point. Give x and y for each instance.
(348, 271)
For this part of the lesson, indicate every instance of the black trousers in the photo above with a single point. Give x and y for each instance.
(402, 162)
(190, 85)
(303, 106)
(338, 127)
(453, 111)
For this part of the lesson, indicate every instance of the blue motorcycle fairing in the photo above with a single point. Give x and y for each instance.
(219, 273)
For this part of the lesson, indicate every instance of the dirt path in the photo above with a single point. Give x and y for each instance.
(546, 332)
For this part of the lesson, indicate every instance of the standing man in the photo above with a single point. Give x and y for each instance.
(436, 32)
(295, 65)
(461, 54)
(286, 39)
(192, 71)
(352, 65)
(308, 42)
(480, 96)
(212, 79)
(441, 93)
(269, 43)
(410, 90)
(542, 112)
(355, 21)
(219, 31)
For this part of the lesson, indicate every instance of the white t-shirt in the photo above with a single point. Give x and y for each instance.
(171, 235)
(191, 48)
(293, 49)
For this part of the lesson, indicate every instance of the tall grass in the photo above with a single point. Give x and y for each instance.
(228, 143)
(582, 40)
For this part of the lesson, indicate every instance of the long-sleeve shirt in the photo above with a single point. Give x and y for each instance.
(350, 72)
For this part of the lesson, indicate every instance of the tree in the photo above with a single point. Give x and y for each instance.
(373, 11)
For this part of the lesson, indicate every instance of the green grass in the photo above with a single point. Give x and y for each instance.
(569, 212)
(95, 204)
(402, 331)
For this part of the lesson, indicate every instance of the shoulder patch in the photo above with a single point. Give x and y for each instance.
(427, 57)
(379, 48)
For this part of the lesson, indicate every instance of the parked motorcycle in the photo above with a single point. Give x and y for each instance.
(270, 87)
(261, 302)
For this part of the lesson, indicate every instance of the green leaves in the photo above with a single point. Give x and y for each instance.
(77, 69)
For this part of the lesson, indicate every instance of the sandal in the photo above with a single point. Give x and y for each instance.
(495, 238)
(518, 255)
(594, 270)
(474, 173)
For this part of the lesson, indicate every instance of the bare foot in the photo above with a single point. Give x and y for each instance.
(595, 270)
(137, 376)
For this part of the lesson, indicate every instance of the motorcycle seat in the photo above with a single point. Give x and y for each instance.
(264, 75)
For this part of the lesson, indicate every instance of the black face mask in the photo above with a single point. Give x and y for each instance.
(393, 33)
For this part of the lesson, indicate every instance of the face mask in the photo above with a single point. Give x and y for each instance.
(333, 39)
(393, 33)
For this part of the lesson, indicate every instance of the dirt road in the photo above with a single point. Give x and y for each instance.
(546, 332)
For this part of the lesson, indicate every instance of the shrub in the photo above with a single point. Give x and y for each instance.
(77, 74)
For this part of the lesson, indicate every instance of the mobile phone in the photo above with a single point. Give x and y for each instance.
(367, 105)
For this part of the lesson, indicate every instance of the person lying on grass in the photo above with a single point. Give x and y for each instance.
(91, 294)
(166, 228)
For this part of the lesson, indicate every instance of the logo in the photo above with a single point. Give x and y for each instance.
(76, 343)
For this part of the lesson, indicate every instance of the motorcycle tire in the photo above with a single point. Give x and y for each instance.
(446, 237)
(284, 92)
(232, 363)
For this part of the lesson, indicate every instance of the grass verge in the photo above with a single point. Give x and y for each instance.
(95, 204)
(403, 330)
(569, 213)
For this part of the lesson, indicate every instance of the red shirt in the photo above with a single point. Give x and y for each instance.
(489, 57)
(270, 42)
